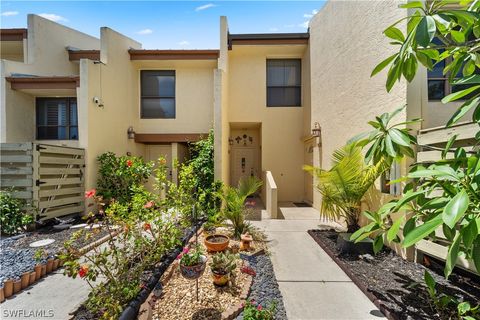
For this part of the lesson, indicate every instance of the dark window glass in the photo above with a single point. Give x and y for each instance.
(158, 94)
(57, 119)
(436, 89)
(284, 84)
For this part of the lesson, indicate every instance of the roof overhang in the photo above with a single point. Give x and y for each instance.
(268, 39)
(76, 55)
(139, 54)
(168, 137)
(13, 34)
(44, 83)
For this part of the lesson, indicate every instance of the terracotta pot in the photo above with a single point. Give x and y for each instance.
(32, 278)
(220, 279)
(2, 295)
(25, 279)
(17, 286)
(44, 270)
(49, 265)
(8, 288)
(216, 242)
(38, 271)
(55, 264)
(193, 272)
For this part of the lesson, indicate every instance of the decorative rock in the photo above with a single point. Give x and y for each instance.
(78, 226)
(41, 243)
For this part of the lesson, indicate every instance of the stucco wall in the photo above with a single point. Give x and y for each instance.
(346, 43)
(282, 127)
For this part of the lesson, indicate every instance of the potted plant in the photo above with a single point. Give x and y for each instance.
(222, 265)
(192, 263)
(343, 187)
(216, 242)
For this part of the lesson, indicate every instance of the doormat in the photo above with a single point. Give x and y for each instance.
(301, 204)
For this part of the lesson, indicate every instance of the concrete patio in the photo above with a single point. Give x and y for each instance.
(312, 284)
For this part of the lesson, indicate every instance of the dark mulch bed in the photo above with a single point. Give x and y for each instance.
(398, 284)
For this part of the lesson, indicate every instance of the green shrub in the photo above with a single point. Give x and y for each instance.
(117, 176)
(251, 311)
(13, 217)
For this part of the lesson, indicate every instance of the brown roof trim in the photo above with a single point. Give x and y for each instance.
(75, 55)
(268, 39)
(168, 137)
(13, 34)
(136, 54)
(55, 82)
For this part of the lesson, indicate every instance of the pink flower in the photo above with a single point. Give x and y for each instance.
(259, 308)
(179, 256)
(90, 193)
(147, 226)
(129, 163)
(149, 204)
(185, 250)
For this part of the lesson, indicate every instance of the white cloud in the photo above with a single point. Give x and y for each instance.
(310, 15)
(145, 31)
(53, 17)
(273, 29)
(205, 6)
(9, 13)
(304, 24)
(184, 43)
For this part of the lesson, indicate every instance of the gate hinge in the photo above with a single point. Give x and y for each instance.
(38, 182)
(39, 147)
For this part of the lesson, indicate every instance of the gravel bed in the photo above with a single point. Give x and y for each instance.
(17, 257)
(398, 284)
(265, 287)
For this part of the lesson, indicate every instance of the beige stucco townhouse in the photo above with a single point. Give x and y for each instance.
(275, 101)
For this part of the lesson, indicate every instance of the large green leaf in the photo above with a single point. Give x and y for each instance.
(392, 232)
(467, 106)
(425, 31)
(383, 64)
(429, 281)
(399, 137)
(413, 4)
(459, 94)
(455, 209)
(395, 34)
(452, 255)
(476, 255)
(421, 231)
(469, 233)
(378, 244)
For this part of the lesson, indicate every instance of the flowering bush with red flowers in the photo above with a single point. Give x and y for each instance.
(254, 311)
(118, 175)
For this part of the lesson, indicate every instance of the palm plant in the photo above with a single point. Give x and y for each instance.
(234, 198)
(345, 184)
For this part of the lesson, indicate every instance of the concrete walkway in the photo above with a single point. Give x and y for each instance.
(312, 285)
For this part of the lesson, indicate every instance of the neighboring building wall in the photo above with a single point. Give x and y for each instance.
(343, 55)
(282, 127)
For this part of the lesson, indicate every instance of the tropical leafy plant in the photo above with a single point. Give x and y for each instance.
(439, 31)
(344, 185)
(191, 257)
(223, 263)
(234, 198)
(13, 214)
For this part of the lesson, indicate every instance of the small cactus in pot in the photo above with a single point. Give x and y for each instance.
(222, 265)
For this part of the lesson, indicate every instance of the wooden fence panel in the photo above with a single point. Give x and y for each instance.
(51, 178)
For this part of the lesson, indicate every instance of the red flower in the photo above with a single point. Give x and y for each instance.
(129, 163)
(179, 256)
(185, 250)
(149, 204)
(163, 161)
(147, 226)
(90, 193)
(83, 271)
(259, 308)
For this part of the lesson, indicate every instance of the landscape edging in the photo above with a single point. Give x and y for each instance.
(378, 303)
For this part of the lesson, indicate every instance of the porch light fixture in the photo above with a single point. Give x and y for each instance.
(316, 131)
(131, 133)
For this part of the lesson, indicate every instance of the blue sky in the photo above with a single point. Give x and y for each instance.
(167, 24)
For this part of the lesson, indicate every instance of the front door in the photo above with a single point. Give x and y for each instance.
(243, 164)
(154, 152)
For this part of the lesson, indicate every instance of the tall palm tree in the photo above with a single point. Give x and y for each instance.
(344, 185)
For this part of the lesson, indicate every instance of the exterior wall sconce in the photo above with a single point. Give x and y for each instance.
(131, 133)
(316, 131)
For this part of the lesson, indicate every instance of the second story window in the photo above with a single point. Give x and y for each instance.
(57, 119)
(284, 84)
(157, 94)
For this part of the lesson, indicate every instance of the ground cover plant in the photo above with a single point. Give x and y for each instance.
(13, 214)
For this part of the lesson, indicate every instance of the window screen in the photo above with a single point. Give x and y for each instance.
(284, 83)
(158, 94)
(57, 119)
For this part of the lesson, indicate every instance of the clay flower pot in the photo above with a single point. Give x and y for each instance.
(2, 295)
(49, 265)
(216, 242)
(220, 279)
(38, 271)
(56, 262)
(8, 288)
(32, 278)
(25, 279)
(194, 272)
(17, 286)
(44, 270)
